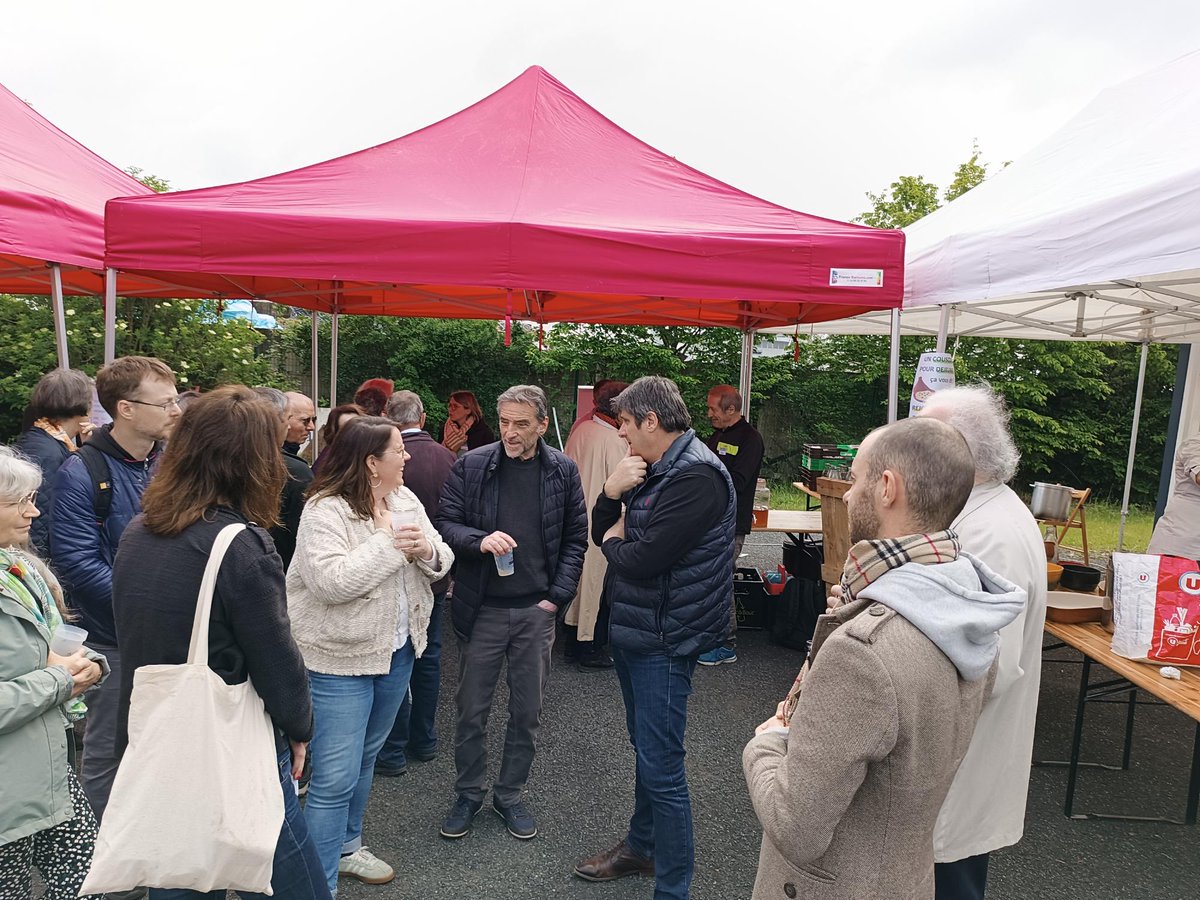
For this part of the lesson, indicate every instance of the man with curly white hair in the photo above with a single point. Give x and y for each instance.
(985, 809)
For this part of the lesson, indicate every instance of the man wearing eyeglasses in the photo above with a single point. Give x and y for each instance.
(91, 508)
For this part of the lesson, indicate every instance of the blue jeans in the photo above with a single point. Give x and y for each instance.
(415, 721)
(296, 874)
(656, 689)
(353, 714)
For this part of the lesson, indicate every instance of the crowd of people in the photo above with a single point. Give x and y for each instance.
(896, 763)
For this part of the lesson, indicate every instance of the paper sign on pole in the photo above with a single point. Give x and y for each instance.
(935, 372)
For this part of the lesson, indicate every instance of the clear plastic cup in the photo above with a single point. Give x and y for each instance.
(402, 517)
(504, 564)
(67, 639)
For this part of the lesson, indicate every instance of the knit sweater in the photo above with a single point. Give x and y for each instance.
(347, 581)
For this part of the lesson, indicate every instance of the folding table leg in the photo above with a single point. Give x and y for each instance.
(1193, 799)
(1129, 730)
(1077, 739)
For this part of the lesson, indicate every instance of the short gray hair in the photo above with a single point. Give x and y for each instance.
(982, 416)
(405, 408)
(18, 476)
(934, 462)
(653, 393)
(529, 394)
(61, 394)
(277, 397)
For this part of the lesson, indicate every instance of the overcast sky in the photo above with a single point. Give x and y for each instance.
(806, 104)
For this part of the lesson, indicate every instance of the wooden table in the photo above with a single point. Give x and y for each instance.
(1093, 642)
(793, 521)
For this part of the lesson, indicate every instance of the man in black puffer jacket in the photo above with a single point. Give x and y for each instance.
(670, 583)
(516, 504)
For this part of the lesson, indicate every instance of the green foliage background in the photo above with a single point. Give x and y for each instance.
(185, 334)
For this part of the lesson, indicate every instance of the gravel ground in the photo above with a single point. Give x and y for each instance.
(581, 793)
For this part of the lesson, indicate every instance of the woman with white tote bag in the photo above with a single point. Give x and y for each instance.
(222, 468)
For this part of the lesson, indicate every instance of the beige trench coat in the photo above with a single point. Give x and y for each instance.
(596, 448)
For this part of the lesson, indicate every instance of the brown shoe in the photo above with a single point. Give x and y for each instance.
(612, 864)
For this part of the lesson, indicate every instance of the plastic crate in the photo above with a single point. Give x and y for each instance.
(753, 602)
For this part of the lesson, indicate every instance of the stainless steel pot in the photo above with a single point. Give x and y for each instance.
(1050, 501)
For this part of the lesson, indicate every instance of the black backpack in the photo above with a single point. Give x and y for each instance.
(98, 470)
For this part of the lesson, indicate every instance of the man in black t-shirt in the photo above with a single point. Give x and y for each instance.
(515, 505)
(740, 447)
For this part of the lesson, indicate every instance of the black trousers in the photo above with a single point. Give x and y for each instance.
(963, 879)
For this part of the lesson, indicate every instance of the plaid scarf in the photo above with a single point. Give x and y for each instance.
(865, 563)
(868, 560)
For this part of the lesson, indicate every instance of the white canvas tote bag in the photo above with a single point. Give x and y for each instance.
(196, 802)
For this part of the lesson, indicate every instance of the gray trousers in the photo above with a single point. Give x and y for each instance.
(523, 638)
(100, 759)
(739, 541)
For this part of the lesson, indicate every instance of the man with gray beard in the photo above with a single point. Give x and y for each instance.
(985, 809)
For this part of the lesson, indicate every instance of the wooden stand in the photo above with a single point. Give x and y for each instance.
(835, 527)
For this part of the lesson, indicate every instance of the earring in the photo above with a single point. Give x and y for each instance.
(375, 480)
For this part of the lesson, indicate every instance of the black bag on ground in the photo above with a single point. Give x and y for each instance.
(795, 611)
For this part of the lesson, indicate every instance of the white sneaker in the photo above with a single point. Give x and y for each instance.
(366, 867)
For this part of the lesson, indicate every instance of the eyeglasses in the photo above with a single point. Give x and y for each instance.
(164, 406)
(29, 499)
(308, 420)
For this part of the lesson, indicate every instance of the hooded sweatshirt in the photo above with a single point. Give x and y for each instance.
(960, 606)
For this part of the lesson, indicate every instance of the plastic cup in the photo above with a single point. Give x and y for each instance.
(67, 639)
(504, 564)
(402, 517)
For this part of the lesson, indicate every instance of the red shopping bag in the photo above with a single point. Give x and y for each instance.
(1156, 608)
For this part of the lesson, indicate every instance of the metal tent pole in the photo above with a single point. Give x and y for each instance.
(333, 360)
(110, 315)
(894, 369)
(1133, 436)
(744, 375)
(314, 370)
(943, 327)
(60, 316)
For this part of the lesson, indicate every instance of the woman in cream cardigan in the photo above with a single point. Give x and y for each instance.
(359, 601)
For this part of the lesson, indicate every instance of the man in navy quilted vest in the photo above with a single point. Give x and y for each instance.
(670, 582)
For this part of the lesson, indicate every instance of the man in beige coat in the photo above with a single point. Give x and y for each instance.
(848, 777)
(596, 447)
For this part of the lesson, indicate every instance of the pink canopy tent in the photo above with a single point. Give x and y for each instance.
(52, 195)
(528, 204)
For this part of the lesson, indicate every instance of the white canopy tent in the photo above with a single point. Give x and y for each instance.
(1092, 235)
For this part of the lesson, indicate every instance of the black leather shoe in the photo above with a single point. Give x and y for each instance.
(597, 659)
(613, 864)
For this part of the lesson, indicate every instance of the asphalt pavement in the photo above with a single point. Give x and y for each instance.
(581, 792)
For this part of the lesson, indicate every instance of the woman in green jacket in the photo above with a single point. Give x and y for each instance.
(45, 820)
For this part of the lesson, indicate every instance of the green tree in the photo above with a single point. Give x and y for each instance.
(151, 181)
(910, 197)
(967, 175)
(430, 356)
(187, 335)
